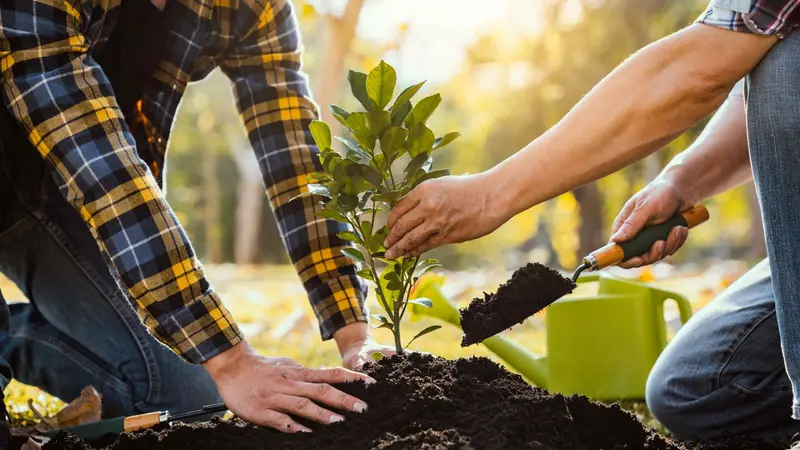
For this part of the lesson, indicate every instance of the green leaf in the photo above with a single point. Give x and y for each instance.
(377, 356)
(400, 113)
(358, 86)
(321, 132)
(354, 254)
(318, 176)
(366, 228)
(406, 95)
(358, 123)
(333, 215)
(369, 173)
(423, 110)
(379, 121)
(394, 285)
(393, 139)
(352, 146)
(389, 197)
(431, 175)
(348, 202)
(380, 84)
(364, 199)
(422, 301)
(366, 274)
(375, 244)
(341, 119)
(430, 329)
(416, 163)
(427, 265)
(384, 325)
(348, 236)
(420, 140)
(339, 111)
(446, 139)
(329, 161)
(381, 318)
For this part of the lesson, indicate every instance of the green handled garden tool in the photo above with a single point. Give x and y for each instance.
(614, 253)
(135, 423)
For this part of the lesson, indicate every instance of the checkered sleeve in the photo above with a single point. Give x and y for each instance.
(764, 17)
(275, 104)
(65, 103)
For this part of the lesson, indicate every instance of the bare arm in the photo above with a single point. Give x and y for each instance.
(718, 160)
(653, 97)
(646, 102)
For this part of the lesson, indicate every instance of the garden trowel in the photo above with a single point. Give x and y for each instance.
(613, 254)
(535, 287)
(135, 423)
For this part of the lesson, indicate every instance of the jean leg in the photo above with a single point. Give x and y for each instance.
(723, 371)
(773, 123)
(79, 328)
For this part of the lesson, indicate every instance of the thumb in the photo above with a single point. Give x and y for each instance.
(630, 226)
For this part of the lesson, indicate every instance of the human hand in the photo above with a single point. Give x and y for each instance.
(654, 204)
(266, 391)
(442, 211)
(357, 347)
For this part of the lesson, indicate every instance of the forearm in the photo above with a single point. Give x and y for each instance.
(649, 100)
(718, 160)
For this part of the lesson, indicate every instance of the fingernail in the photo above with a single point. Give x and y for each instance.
(336, 418)
(304, 430)
(359, 407)
(386, 243)
(370, 380)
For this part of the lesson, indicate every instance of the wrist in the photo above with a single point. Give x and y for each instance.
(351, 334)
(227, 361)
(682, 181)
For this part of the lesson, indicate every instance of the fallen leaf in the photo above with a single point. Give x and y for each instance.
(84, 409)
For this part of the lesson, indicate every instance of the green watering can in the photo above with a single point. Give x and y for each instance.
(602, 346)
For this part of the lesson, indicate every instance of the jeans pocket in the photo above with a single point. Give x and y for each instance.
(758, 383)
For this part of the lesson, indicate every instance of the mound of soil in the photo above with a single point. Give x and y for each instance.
(530, 289)
(423, 402)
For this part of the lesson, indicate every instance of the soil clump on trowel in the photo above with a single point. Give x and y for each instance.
(530, 289)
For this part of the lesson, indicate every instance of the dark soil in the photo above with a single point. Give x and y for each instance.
(531, 289)
(422, 402)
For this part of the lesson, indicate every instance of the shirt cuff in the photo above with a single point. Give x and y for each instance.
(199, 331)
(777, 19)
(338, 302)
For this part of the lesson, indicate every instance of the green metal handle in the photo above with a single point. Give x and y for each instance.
(96, 429)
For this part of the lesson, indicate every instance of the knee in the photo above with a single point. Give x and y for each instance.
(670, 406)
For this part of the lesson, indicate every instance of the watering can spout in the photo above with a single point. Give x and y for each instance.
(530, 365)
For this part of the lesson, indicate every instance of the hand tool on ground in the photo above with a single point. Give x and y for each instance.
(613, 253)
(134, 423)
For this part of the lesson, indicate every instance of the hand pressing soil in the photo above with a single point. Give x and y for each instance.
(423, 402)
(530, 289)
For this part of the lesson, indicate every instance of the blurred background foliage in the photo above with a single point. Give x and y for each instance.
(507, 72)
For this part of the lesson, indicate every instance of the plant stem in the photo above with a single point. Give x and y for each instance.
(411, 280)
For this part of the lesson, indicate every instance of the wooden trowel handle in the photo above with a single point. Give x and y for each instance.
(613, 254)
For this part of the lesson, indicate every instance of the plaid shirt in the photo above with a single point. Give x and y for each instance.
(58, 92)
(766, 17)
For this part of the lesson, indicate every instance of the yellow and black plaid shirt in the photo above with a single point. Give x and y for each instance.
(55, 88)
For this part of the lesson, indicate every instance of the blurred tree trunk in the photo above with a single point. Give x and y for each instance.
(211, 201)
(590, 230)
(758, 246)
(341, 31)
(250, 201)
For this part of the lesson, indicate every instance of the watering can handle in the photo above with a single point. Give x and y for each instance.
(684, 307)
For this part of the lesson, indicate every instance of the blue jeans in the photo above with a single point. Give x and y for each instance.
(79, 329)
(733, 366)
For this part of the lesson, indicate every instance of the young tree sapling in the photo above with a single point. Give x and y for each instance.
(388, 152)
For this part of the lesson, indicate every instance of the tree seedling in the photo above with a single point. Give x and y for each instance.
(388, 152)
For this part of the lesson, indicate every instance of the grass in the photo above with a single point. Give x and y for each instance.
(269, 304)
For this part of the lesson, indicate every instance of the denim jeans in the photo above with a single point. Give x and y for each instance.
(78, 329)
(733, 366)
